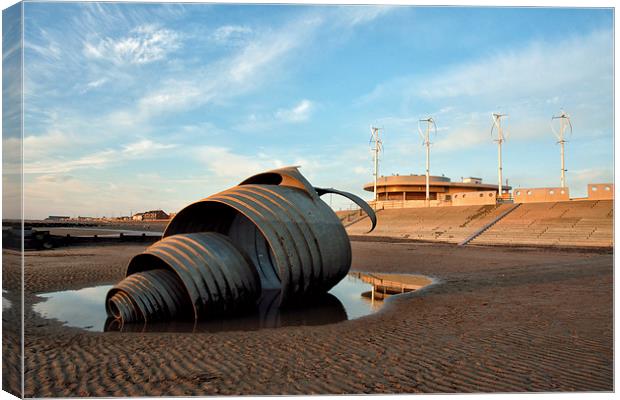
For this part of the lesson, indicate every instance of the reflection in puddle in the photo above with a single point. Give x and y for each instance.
(355, 296)
(386, 285)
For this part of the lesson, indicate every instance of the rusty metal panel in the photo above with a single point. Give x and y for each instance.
(271, 232)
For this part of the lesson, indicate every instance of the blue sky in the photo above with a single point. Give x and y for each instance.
(141, 106)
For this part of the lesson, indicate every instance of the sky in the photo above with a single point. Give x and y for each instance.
(131, 107)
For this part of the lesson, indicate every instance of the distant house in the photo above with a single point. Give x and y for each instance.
(57, 218)
(150, 215)
(138, 217)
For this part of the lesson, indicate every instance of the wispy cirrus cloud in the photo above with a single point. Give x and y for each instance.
(256, 121)
(144, 44)
(232, 34)
(299, 113)
(529, 83)
(107, 86)
(58, 165)
(255, 63)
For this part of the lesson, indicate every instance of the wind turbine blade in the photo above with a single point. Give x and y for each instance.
(555, 133)
(420, 130)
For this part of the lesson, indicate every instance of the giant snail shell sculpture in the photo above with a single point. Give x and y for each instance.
(219, 255)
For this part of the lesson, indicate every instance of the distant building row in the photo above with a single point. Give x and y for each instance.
(409, 191)
(152, 215)
(596, 191)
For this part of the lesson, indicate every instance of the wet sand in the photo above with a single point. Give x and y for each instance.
(500, 319)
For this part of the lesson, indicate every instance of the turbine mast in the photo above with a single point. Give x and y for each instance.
(497, 122)
(564, 124)
(427, 142)
(377, 147)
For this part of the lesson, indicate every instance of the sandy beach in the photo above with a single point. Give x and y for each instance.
(498, 320)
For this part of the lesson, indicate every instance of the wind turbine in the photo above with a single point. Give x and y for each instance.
(497, 122)
(427, 142)
(377, 144)
(564, 124)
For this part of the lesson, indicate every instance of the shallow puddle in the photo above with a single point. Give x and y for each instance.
(355, 296)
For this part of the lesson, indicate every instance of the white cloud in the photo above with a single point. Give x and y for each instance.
(254, 58)
(580, 178)
(224, 163)
(530, 83)
(145, 147)
(356, 15)
(73, 196)
(255, 62)
(550, 70)
(301, 112)
(231, 34)
(53, 141)
(100, 159)
(144, 44)
(95, 84)
(539, 69)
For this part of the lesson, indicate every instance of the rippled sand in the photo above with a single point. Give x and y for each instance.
(499, 320)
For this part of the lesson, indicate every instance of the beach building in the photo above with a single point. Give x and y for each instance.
(600, 191)
(540, 195)
(408, 191)
(58, 218)
(150, 215)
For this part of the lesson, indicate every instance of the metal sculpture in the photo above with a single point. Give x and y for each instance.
(324, 309)
(272, 232)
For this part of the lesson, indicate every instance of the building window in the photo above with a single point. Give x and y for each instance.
(481, 194)
(561, 192)
(594, 188)
(490, 194)
(456, 196)
(464, 195)
(552, 192)
(518, 193)
(529, 192)
(607, 188)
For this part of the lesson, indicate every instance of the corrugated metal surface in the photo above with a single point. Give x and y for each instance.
(271, 232)
(296, 241)
(195, 275)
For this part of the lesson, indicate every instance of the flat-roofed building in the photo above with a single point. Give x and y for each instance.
(410, 191)
(474, 198)
(600, 191)
(540, 195)
(150, 215)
